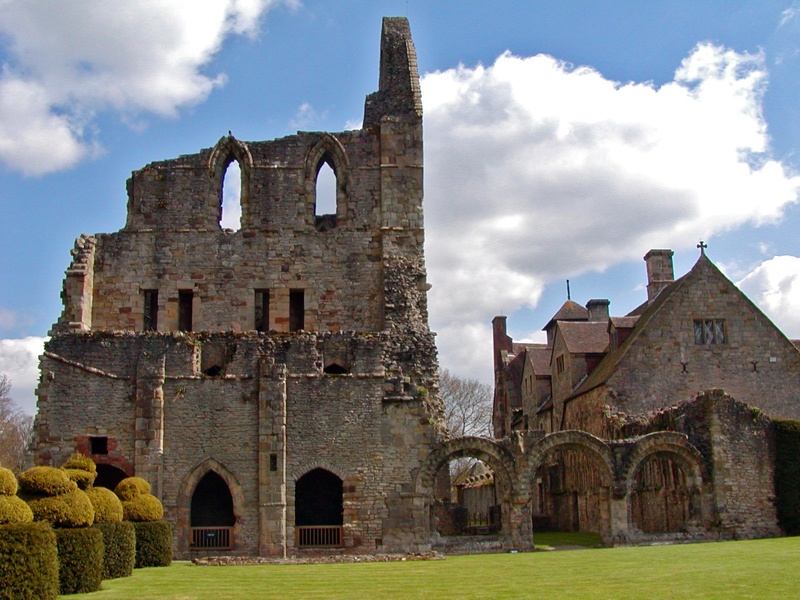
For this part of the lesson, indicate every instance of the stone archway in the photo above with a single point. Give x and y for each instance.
(663, 478)
(187, 490)
(571, 475)
(499, 460)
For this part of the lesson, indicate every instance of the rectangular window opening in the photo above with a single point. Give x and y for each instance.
(296, 310)
(709, 332)
(262, 310)
(98, 445)
(150, 321)
(185, 300)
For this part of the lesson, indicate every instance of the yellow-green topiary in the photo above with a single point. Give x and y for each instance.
(130, 487)
(84, 479)
(82, 462)
(144, 507)
(107, 507)
(46, 481)
(73, 509)
(8, 483)
(14, 510)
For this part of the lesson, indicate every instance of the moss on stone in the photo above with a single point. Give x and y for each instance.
(46, 481)
(107, 507)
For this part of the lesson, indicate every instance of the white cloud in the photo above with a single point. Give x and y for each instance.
(65, 61)
(537, 171)
(306, 116)
(19, 359)
(775, 287)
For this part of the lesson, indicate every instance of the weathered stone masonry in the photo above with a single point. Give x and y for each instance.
(308, 346)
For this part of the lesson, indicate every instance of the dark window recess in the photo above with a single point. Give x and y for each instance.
(709, 331)
(262, 310)
(336, 369)
(273, 462)
(150, 310)
(98, 445)
(213, 371)
(185, 298)
(296, 310)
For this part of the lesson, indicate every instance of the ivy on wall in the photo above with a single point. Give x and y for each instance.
(787, 474)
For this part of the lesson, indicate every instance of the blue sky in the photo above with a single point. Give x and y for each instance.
(564, 139)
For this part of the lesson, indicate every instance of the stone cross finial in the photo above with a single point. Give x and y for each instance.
(702, 245)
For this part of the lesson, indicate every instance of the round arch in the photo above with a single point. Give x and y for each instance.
(499, 459)
(673, 443)
(186, 491)
(582, 440)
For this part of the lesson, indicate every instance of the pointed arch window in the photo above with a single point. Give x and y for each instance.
(325, 198)
(231, 197)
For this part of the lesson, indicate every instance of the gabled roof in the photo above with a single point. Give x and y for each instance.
(537, 354)
(627, 322)
(569, 311)
(584, 337)
(645, 313)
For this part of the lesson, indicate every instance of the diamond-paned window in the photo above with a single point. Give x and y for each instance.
(709, 331)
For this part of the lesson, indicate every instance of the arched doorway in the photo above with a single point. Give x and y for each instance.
(212, 517)
(318, 509)
(108, 476)
(661, 501)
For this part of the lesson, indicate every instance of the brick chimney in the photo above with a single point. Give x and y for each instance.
(659, 272)
(598, 310)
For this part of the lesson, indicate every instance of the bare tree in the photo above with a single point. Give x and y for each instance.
(468, 405)
(16, 429)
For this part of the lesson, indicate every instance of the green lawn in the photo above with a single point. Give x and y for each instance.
(754, 569)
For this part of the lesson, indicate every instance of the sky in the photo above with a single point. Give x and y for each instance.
(563, 140)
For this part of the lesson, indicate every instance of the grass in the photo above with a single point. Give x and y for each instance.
(753, 569)
(546, 540)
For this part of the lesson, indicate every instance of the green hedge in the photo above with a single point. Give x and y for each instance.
(153, 544)
(73, 509)
(46, 481)
(28, 562)
(119, 540)
(14, 510)
(107, 507)
(80, 557)
(130, 487)
(144, 507)
(787, 474)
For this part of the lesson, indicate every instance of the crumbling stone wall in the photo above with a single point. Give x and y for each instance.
(353, 389)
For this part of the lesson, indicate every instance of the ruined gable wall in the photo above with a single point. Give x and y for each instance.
(650, 376)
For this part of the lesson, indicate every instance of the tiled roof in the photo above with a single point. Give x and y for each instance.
(569, 311)
(584, 337)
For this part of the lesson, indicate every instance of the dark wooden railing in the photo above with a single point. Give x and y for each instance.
(216, 538)
(319, 536)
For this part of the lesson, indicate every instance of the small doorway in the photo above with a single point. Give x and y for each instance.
(108, 476)
(318, 510)
(212, 517)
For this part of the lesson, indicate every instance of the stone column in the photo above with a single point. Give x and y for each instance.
(149, 420)
(618, 502)
(272, 538)
(521, 534)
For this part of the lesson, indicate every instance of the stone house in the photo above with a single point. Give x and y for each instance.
(621, 380)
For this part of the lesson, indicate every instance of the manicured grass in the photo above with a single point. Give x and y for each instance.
(551, 540)
(754, 569)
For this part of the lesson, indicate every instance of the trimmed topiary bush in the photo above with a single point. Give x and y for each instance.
(787, 474)
(143, 508)
(153, 536)
(12, 509)
(130, 487)
(45, 481)
(8, 483)
(119, 539)
(107, 507)
(28, 562)
(65, 510)
(80, 556)
(153, 544)
(82, 470)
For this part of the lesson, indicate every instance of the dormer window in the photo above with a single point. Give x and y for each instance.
(709, 331)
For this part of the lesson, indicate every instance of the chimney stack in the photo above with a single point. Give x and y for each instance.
(659, 272)
(598, 310)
